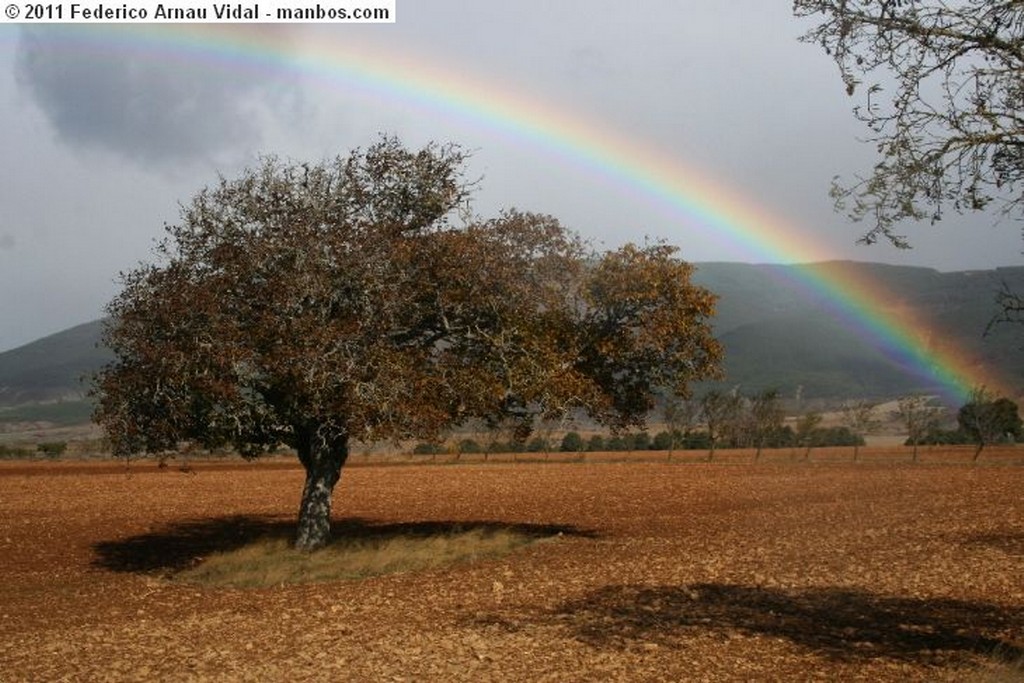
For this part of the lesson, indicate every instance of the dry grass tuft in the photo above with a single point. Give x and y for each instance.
(274, 562)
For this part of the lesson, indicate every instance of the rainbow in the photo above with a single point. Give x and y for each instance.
(613, 157)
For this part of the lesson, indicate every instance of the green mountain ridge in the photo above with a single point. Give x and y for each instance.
(780, 329)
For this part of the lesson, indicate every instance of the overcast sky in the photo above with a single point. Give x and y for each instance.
(101, 145)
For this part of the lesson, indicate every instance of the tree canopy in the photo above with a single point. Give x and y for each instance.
(765, 416)
(719, 410)
(987, 419)
(312, 305)
(942, 88)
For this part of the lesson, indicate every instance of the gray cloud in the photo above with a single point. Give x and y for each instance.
(722, 90)
(592, 62)
(147, 109)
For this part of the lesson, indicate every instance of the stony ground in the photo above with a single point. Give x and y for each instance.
(663, 572)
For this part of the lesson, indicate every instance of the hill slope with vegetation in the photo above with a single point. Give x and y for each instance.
(781, 334)
(777, 334)
(52, 368)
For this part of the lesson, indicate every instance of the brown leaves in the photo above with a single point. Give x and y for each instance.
(339, 296)
(647, 326)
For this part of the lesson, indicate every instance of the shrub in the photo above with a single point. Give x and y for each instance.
(469, 446)
(618, 443)
(666, 441)
(780, 437)
(699, 441)
(834, 436)
(596, 443)
(537, 445)
(640, 441)
(13, 452)
(942, 437)
(52, 449)
(425, 448)
(572, 443)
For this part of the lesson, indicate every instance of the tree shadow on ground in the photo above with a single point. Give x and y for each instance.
(1009, 542)
(185, 544)
(838, 623)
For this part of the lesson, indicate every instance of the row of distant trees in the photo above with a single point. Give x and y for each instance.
(730, 419)
(984, 419)
(757, 421)
(718, 419)
(665, 440)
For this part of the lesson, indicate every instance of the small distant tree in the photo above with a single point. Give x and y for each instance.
(468, 446)
(859, 417)
(765, 418)
(495, 445)
(919, 416)
(720, 411)
(836, 436)
(697, 440)
(641, 441)
(537, 444)
(619, 442)
(431, 448)
(572, 442)
(680, 415)
(666, 441)
(946, 437)
(987, 419)
(317, 305)
(52, 449)
(806, 426)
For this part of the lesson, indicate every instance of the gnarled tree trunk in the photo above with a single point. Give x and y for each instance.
(323, 458)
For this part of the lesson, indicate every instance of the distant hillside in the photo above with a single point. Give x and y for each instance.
(777, 334)
(52, 368)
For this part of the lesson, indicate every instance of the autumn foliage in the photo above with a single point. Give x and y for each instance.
(314, 305)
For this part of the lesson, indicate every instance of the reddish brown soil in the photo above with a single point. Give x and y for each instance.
(664, 572)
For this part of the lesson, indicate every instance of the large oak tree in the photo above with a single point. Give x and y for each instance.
(313, 305)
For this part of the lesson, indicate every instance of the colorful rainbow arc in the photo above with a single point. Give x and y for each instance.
(613, 157)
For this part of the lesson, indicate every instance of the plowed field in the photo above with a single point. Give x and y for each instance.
(663, 572)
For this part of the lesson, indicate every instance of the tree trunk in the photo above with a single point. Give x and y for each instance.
(977, 451)
(323, 458)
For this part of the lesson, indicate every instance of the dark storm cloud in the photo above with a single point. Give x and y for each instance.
(147, 109)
